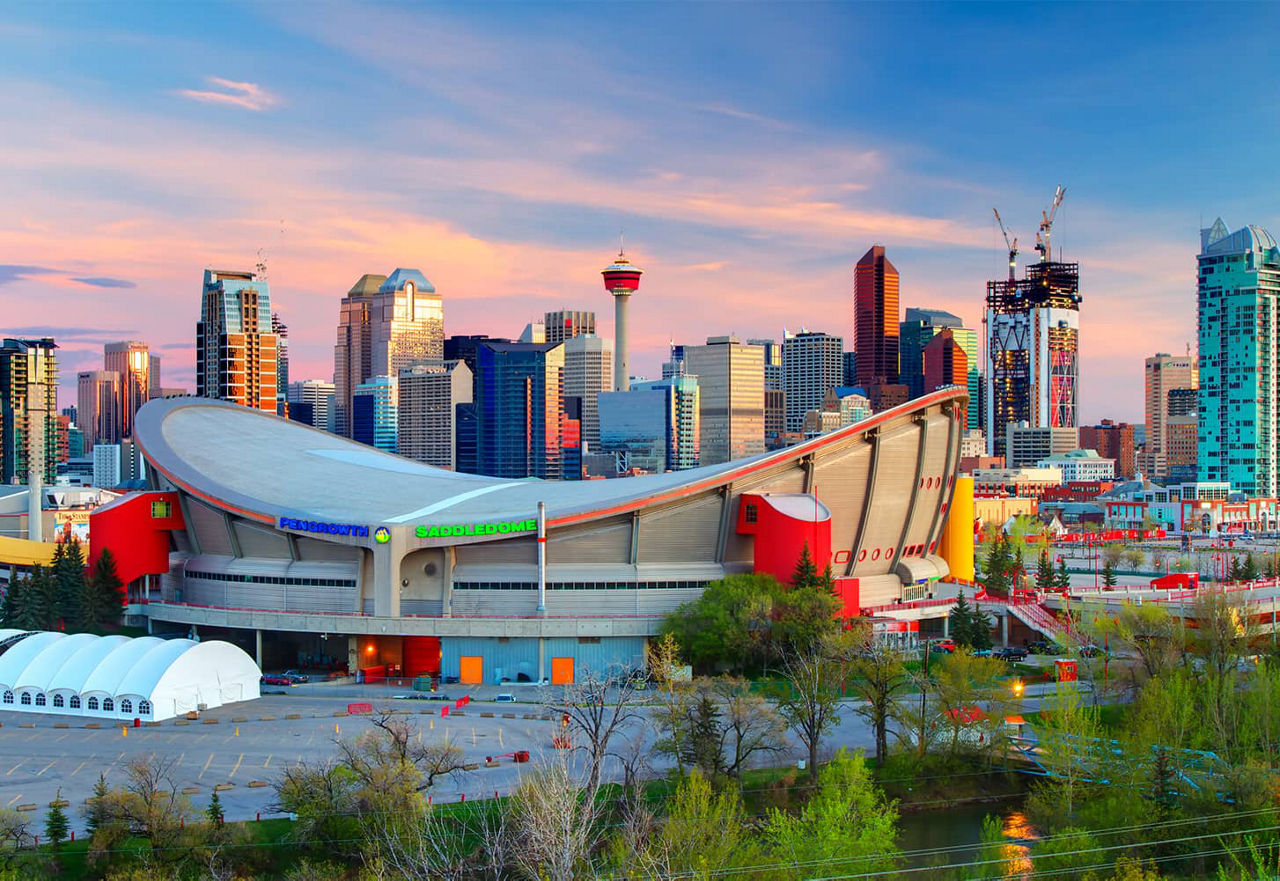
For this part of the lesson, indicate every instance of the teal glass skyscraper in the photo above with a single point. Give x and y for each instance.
(1238, 324)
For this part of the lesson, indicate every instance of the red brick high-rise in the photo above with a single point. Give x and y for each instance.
(945, 363)
(1112, 440)
(875, 318)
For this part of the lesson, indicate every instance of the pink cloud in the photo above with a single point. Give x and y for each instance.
(249, 96)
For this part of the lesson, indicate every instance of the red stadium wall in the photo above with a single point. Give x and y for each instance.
(779, 538)
(136, 528)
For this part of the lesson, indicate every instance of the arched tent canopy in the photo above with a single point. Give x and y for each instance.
(121, 677)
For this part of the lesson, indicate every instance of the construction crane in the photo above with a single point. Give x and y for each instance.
(1012, 246)
(1046, 224)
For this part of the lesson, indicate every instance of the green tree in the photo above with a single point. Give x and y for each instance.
(1249, 569)
(1069, 750)
(214, 810)
(15, 603)
(847, 827)
(68, 577)
(704, 835)
(95, 812)
(815, 680)
(806, 573)
(1233, 571)
(729, 624)
(879, 677)
(960, 621)
(802, 618)
(42, 600)
(56, 826)
(103, 598)
(701, 744)
(1046, 579)
(1063, 580)
(1108, 574)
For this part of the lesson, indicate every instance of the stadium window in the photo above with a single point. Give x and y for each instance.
(751, 514)
(40, 700)
(59, 701)
(26, 699)
(126, 706)
(144, 707)
(8, 697)
(93, 703)
(75, 701)
(108, 705)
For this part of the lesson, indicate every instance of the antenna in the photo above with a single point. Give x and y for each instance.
(261, 265)
(622, 247)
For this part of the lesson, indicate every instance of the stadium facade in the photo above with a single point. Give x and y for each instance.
(305, 546)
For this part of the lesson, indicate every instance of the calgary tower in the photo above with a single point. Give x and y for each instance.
(621, 279)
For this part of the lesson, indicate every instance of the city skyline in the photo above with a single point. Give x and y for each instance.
(739, 188)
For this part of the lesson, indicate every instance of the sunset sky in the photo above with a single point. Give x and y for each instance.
(750, 152)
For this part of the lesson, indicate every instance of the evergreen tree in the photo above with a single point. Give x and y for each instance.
(980, 630)
(1233, 571)
(995, 569)
(104, 595)
(14, 602)
(68, 576)
(1063, 580)
(827, 580)
(1270, 568)
(961, 623)
(96, 814)
(214, 810)
(701, 747)
(806, 574)
(1249, 569)
(40, 609)
(1045, 576)
(1108, 574)
(56, 826)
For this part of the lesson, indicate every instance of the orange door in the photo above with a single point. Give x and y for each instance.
(471, 669)
(562, 671)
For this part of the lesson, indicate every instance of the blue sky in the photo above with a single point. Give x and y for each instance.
(752, 152)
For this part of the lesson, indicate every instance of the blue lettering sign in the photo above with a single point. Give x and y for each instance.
(354, 529)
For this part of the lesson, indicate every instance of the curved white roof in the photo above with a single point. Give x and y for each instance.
(13, 663)
(174, 675)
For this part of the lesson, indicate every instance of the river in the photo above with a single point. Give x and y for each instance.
(954, 836)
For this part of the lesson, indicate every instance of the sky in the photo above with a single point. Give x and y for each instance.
(749, 152)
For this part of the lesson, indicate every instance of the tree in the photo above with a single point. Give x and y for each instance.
(1249, 569)
(703, 836)
(964, 684)
(960, 621)
(322, 797)
(880, 676)
(598, 707)
(1150, 631)
(702, 736)
(68, 577)
(95, 814)
(41, 601)
(1046, 579)
(728, 624)
(847, 827)
(149, 805)
(1108, 573)
(810, 704)
(554, 823)
(803, 617)
(214, 810)
(1068, 736)
(663, 658)
(56, 826)
(1063, 581)
(806, 573)
(102, 603)
(1233, 571)
(749, 725)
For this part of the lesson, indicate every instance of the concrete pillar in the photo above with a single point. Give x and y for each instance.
(35, 508)
(542, 659)
(386, 574)
(1004, 629)
(946, 625)
(353, 654)
(542, 557)
(257, 647)
(621, 360)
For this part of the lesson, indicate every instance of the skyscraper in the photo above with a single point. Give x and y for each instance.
(588, 371)
(682, 409)
(132, 362)
(945, 362)
(731, 392)
(429, 398)
(1112, 440)
(1033, 335)
(98, 407)
(565, 325)
(1165, 375)
(315, 396)
(1238, 326)
(28, 410)
(375, 413)
(773, 370)
(812, 365)
(519, 418)
(235, 349)
(385, 324)
(621, 279)
(875, 305)
(917, 328)
(281, 330)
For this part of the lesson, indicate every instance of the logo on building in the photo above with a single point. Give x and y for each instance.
(382, 535)
(352, 529)
(504, 528)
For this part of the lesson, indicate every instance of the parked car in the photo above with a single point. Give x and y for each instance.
(505, 699)
(1045, 647)
(296, 675)
(275, 679)
(982, 653)
(1091, 651)
(945, 645)
(439, 697)
(1010, 653)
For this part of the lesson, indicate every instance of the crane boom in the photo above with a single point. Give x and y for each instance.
(1012, 246)
(1046, 224)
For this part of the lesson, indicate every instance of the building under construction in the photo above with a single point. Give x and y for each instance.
(1032, 335)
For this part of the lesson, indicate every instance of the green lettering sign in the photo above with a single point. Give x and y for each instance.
(505, 527)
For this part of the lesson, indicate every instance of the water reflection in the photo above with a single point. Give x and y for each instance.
(1016, 852)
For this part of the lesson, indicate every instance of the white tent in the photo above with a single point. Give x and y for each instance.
(118, 677)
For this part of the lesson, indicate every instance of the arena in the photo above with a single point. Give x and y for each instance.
(306, 548)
